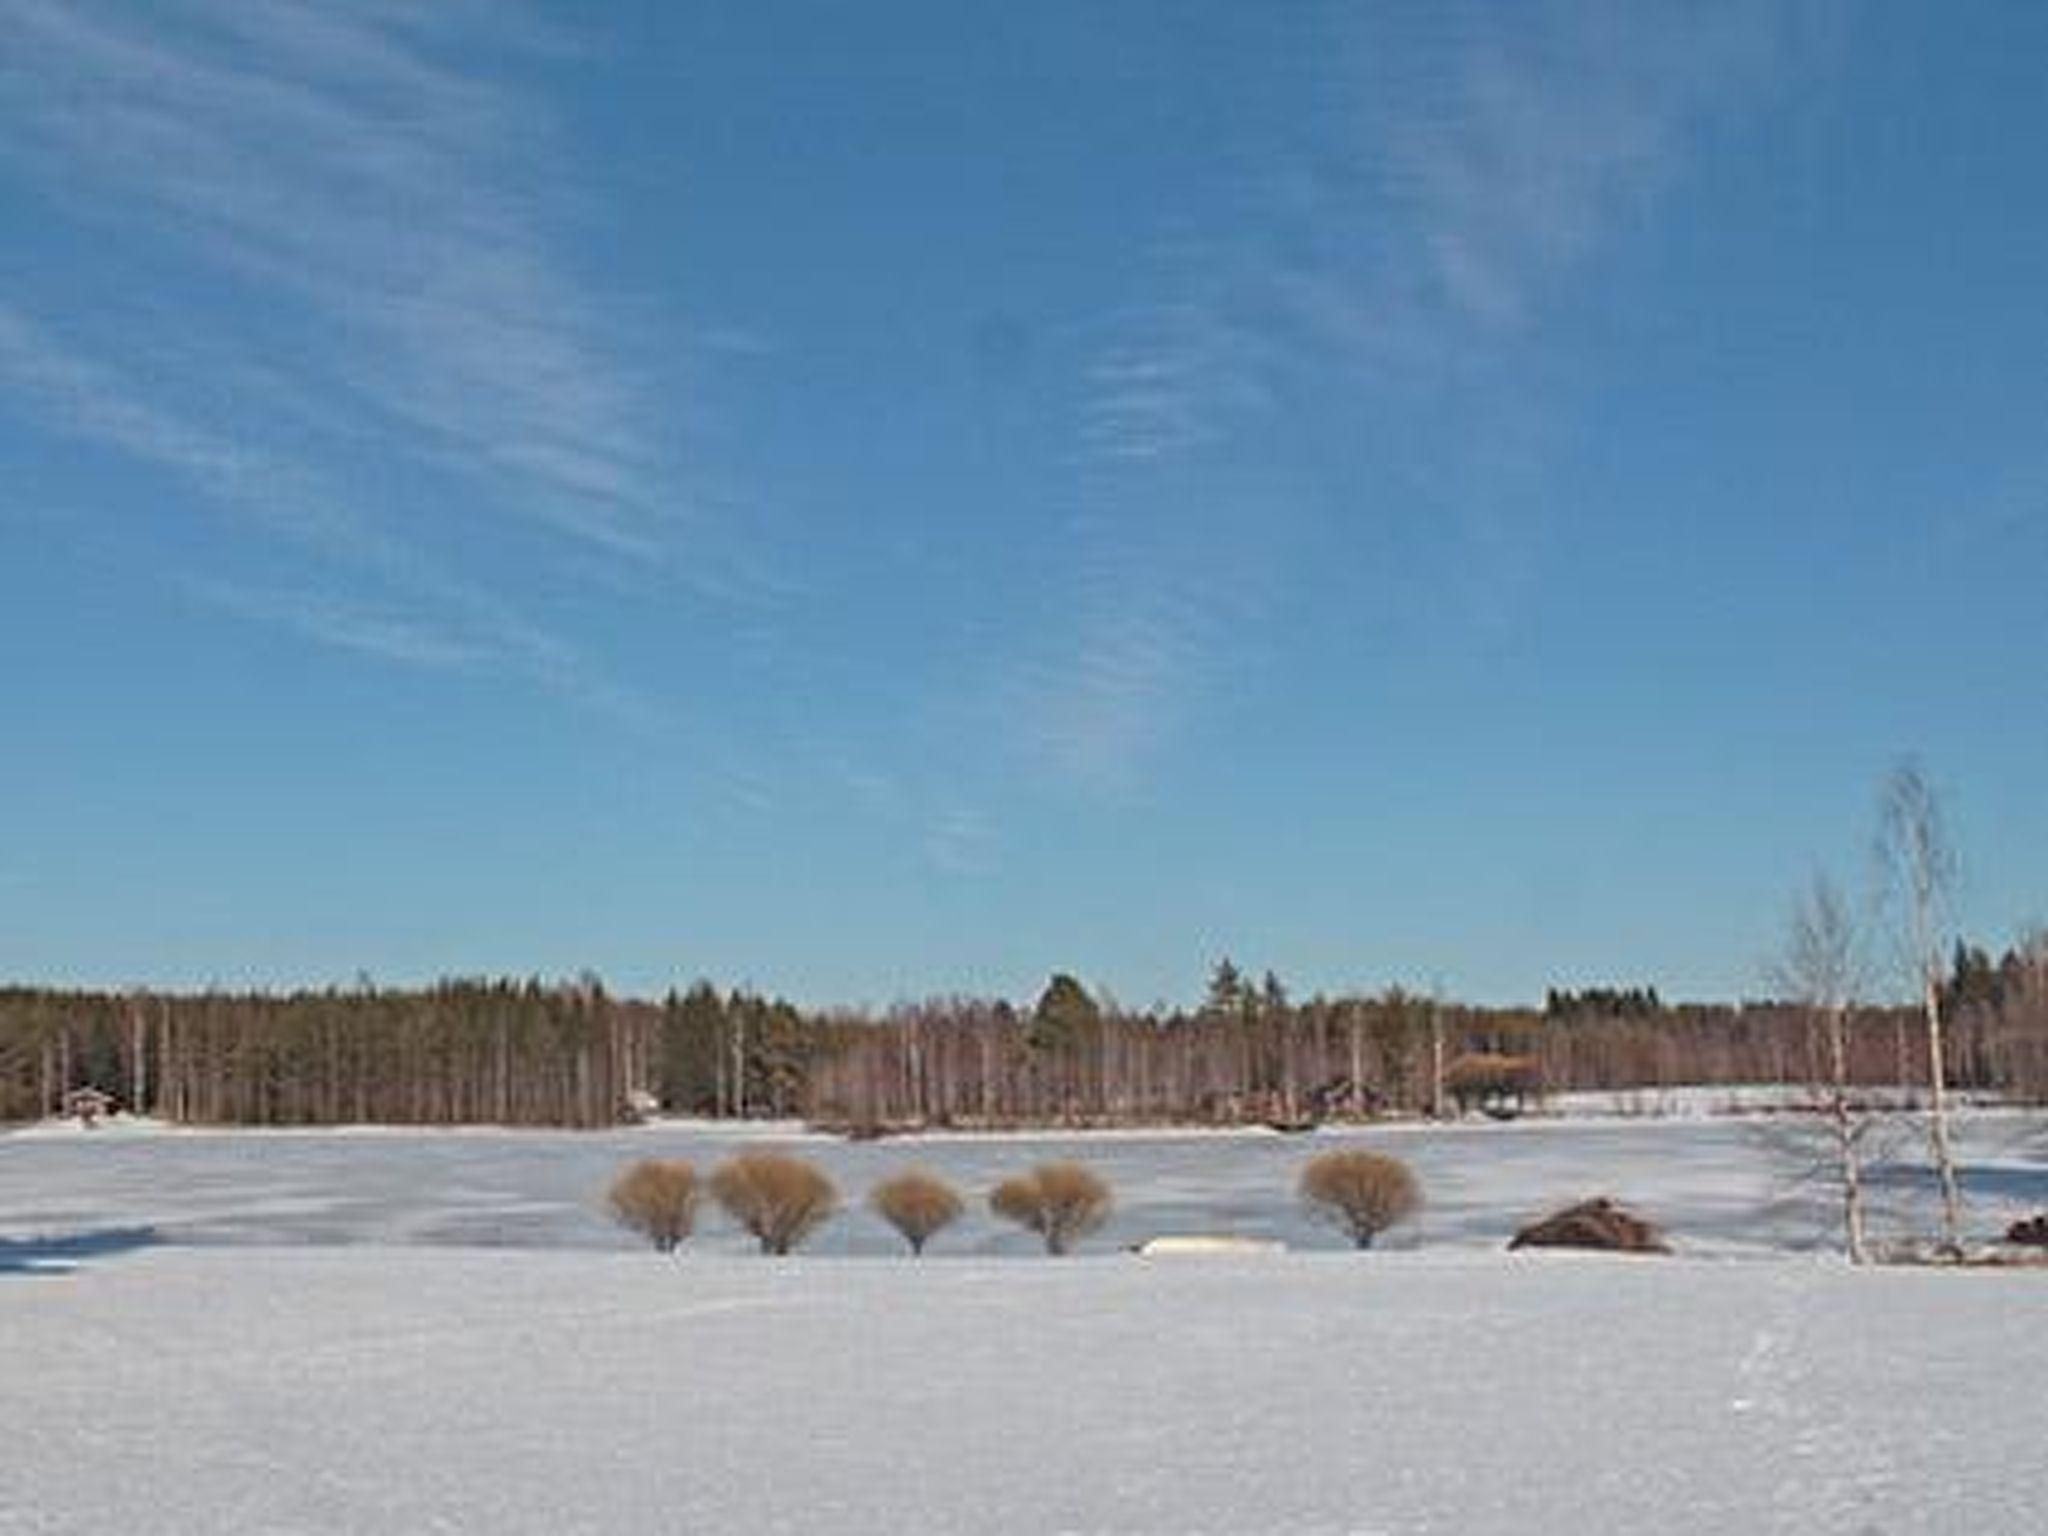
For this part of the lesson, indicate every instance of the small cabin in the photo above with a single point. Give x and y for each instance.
(1499, 1086)
(88, 1106)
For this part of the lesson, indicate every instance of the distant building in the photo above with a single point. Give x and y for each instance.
(88, 1106)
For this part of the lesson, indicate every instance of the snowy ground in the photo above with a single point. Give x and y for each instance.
(401, 1390)
(402, 1332)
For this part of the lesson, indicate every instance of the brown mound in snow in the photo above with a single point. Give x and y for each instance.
(2033, 1231)
(1593, 1224)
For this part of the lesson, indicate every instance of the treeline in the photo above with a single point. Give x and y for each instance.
(460, 1052)
(570, 1054)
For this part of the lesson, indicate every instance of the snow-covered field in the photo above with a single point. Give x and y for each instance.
(418, 1331)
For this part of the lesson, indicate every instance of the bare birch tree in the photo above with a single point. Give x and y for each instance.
(1918, 870)
(1436, 1052)
(1820, 970)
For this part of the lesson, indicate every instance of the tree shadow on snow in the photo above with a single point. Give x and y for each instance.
(61, 1255)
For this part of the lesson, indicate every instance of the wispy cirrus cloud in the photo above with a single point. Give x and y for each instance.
(1157, 563)
(332, 291)
(960, 840)
(321, 157)
(389, 636)
(1459, 171)
(385, 598)
(1487, 155)
(94, 399)
(1098, 710)
(1164, 383)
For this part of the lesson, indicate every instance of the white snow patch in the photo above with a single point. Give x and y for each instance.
(378, 1390)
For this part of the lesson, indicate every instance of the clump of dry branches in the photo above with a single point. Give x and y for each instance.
(657, 1199)
(1363, 1193)
(778, 1198)
(1061, 1202)
(917, 1204)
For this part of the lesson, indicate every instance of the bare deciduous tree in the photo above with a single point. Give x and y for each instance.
(917, 1204)
(1361, 1192)
(658, 1199)
(1061, 1202)
(778, 1198)
(1436, 1053)
(1820, 971)
(1919, 869)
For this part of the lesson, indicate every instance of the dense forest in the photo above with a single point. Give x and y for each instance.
(570, 1054)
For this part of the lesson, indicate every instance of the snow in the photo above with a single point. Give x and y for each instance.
(65, 1126)
(1694, 1101)
(1206, 1246)
(423, 1331)
(383, 1389)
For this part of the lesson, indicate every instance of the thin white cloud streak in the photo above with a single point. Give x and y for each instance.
(449, 617)
(1473, 166)
(92, 400)
(324, 157)
(1508, 148)
(1157, 564)
(1493, 158)
(1098, 712)
(1145, 395)
(1170, 379)
(376, 236)
(960, 840)
(388, 636)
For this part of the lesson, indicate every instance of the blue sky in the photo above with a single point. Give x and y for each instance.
(870, 501)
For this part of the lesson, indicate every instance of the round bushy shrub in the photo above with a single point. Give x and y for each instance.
(1061, 1202)
(778, 1198)
(1362, 1193)
(917, 1204)
(657, 1199)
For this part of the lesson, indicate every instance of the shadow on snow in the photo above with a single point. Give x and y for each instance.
(61, 1255)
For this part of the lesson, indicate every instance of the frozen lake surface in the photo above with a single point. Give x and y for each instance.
(1721, 1186)
(410, 1332)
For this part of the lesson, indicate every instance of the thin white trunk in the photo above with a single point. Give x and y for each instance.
(739, 1065)
(1845, 1132)
(1937, 1122)
(138, 1074)
(1436, 1062)
(1357, 1023)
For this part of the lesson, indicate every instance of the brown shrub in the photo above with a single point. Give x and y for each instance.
(1593, 1224)
(780, 1199)
(657, 1199)
(917, 1204)
(1362, 1192)
(2033, 1231)
(1061, 1202)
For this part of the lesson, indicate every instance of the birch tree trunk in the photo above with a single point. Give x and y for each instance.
(1847, 1133)
(1820, 969)
(1915, 854)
